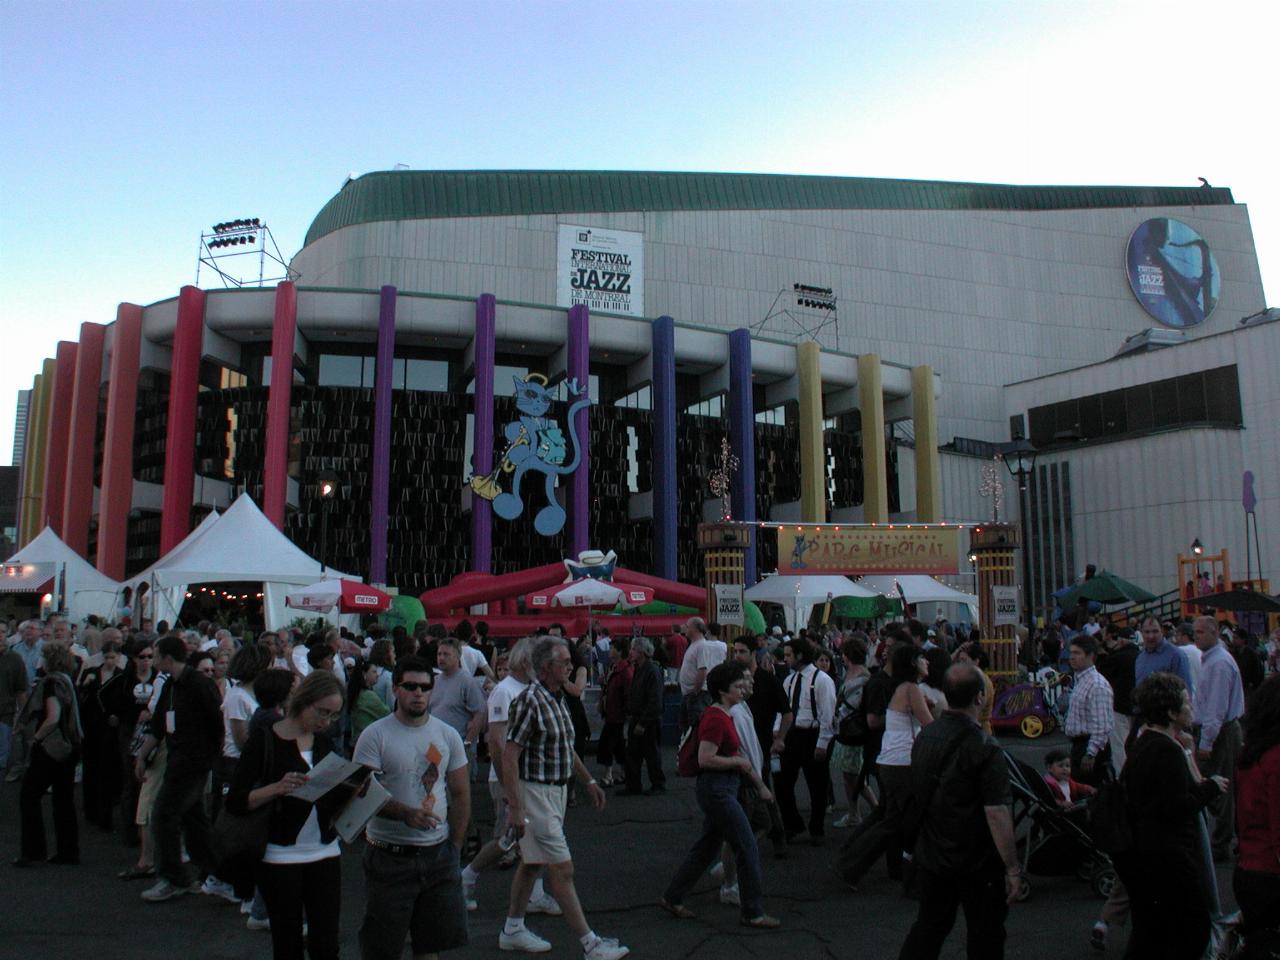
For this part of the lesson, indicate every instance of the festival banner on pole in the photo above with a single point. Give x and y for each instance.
(869, 549)
(601, 269)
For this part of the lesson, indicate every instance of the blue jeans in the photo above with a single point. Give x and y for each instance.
(726, 822)
(6, 735)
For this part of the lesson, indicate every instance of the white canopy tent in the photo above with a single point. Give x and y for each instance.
(165, 602)
(798, 595)
(919, 588)
(240, 546)
(85, 590)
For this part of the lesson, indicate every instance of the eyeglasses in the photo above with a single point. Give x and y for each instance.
(415, 687)
(328, 716)
(145, 656)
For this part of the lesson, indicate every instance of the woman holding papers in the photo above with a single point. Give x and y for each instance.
(300, 874)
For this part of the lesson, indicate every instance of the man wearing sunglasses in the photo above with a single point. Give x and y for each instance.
(411, 864)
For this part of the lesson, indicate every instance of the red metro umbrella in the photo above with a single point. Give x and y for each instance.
(350, 596)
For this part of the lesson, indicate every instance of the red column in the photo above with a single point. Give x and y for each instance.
(275, 481)
(116, 499)
(55, 471)
(180, 431)
(77, 499)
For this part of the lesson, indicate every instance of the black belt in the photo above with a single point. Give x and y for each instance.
(400, 849)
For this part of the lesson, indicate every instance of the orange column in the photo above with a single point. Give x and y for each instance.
(180, 428)
(77, 498)
(275, 484)
(55, 471)
(116, 499)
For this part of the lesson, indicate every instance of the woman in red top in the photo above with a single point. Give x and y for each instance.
(612, 748)
(1257, 876)
(721, 767)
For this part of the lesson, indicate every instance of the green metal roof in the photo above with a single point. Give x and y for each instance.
(434, 194)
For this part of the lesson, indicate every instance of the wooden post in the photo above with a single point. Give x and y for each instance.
(995, 546)
(724, 549)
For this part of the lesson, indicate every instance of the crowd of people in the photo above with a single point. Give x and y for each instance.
(186, 741)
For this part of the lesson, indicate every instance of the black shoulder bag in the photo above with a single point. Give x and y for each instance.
(243, 838)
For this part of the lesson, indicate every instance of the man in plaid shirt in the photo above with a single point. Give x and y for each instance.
(1090, 717)
(540, 761)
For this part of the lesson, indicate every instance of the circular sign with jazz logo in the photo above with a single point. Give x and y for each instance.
(1173, 273)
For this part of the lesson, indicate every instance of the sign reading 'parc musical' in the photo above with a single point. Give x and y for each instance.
(868, 549)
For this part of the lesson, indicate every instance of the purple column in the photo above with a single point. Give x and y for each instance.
(579, 363)
(382, 435)
(742, 437)
(482, 433)
(665, 515)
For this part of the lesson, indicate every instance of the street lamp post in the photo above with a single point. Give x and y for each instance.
(1020, 458)
(327, 481)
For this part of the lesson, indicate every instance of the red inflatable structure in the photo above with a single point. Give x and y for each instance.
(448, 605)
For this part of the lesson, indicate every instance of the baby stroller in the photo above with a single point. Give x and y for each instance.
(1056, 841)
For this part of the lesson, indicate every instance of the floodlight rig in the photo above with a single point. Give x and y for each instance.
(245, 237)
(803, 312)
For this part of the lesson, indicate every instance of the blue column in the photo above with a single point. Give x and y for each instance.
(579, 364)
(742, 436)
(664, 448)
(482, 433)
(382, 370)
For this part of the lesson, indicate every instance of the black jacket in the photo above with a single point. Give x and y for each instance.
(289, 814)
(644, 698)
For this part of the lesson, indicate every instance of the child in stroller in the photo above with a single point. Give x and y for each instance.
(1069, 794)
(1053, 835)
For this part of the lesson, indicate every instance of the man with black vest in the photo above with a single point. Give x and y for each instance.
(812, 696)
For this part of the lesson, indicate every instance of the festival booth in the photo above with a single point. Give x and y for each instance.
(48, 565)
(242, 545)
(537, 588)
(917, 588)
(799, 594)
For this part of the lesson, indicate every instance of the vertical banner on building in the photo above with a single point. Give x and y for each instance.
(601, 269)
(1004, 601)
(729, 609)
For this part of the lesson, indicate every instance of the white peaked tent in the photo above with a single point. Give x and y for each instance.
(918, 588)
(46, 557)
(165, 602)
(241, 545)
(798, 595)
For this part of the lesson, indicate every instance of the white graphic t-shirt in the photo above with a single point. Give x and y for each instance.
(414, 762)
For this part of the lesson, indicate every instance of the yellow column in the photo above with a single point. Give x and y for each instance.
(813, 450)
(928, 474)
(25, 504)
(875, 480)
(37, 449)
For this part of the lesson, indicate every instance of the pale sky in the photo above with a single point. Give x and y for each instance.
(133, 126)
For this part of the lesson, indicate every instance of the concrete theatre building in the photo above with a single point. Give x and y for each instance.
(862, 345)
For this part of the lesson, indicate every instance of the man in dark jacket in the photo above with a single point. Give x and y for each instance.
(189, 720)
(644, 719)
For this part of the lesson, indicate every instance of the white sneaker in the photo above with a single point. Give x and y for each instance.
(214, 887)
(246, 907)
(716, 872)
(729, 894)
(469, 896)
(848, 820)
(525, 940)
(253, 923)
(544, 904)
(606, 948)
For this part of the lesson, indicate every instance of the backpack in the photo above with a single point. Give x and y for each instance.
(1110, 822)
(851, 717)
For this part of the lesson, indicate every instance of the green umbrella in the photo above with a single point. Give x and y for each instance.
(753, 617)
(1105, 588)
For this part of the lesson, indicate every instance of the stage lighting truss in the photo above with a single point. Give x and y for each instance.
(805, 312)
(244, 237)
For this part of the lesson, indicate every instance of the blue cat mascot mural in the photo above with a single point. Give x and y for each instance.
(535, 444)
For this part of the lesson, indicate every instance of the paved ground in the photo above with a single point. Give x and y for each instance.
(624, 855)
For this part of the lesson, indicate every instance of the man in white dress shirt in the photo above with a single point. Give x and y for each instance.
(812, 695)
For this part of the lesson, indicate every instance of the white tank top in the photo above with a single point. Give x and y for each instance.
(900, 731)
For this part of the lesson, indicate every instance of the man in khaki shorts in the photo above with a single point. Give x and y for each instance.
(538, 762)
